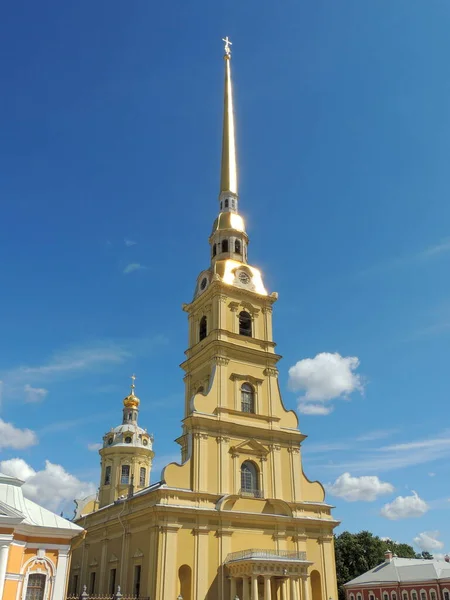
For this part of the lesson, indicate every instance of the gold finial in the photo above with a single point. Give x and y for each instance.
(227, 46)
(132, 401)
(228, 176)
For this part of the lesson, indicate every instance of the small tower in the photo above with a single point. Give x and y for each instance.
(126, 456)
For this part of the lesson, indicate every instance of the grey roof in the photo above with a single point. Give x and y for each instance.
(13, 502)
(404, 570)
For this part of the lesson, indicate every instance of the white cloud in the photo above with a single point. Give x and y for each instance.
(323, 378)
(129, 242)
(94, 447)
(405, 507)
(34, 394)
(377, 434)
(314, 409)
(12, 437)
(133, 267)
(366, 488)
(53, 487)
(431, 474)
(427, 541)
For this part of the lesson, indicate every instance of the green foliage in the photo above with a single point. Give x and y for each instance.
(357, 553)
(425, 555)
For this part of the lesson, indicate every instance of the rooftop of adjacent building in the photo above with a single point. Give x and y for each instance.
(400, 570)
(23, 511)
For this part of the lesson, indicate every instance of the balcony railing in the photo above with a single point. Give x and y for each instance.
(257, 554)
(251, 493)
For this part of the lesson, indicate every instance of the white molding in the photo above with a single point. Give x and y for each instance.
(43, 546)
(19, 543)
(14, 576)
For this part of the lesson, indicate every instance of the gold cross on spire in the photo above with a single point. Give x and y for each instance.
(227, 46)
(133, 379)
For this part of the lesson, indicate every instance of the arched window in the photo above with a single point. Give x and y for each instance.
(446, 594)
(125, 475)
(226, 203)
(232, 204)
(352, 596)
(249, 479)
(203, 329)
(405, 595)
(214, 250)
(432, 595)
(247, 398)
(414, 595)
(245, 324)
(358, 597)
(224, 245)
(107, 475)
(385, 596)
(221, 205)
(237, 246)
(423, 595)
(35, 586)
(142, 476)
(393, 596)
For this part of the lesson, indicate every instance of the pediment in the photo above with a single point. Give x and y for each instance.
(113, 558)
(250, 446)
(93, 563)
(138, 554)
(8, 511)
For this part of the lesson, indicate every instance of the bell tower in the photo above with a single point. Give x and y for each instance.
(237, 436)
(126, 455)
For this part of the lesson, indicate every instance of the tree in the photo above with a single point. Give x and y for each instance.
(426, 555)
(357, 553)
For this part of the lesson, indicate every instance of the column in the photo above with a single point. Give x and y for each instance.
(201, 580)
(254, 587)
(232, 588)
(294, 587)
(305, 588)
(283, 589)
(245, 587)
(267, 588)
(59, 590)
(5, 541)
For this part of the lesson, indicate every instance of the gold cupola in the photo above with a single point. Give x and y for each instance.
(132, 401)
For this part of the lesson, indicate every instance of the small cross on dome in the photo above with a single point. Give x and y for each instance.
(227, 46)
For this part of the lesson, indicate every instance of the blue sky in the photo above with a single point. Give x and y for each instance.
(110, 149)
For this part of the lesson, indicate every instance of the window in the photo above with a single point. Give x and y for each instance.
(35, 587)
(405, 595)
(232, 204)
(249, 478)
(214, 250)
(393, 596)
(203, 329)
(385, 596)
(92, 583)
(237, 246)
(142, 474)
(137, 580)
(352, 596)
(371, 597)
(247, 398)
(414, 595)
(224, 245)
(432, 595)
(129, 416)
(423, 595)
(128, 440)
(358, 596)
(125, 476)
(446, 595)
(108, 475)
(226, 203)
(112, 582)
(221, 206)
(75, 584)
(245, 324)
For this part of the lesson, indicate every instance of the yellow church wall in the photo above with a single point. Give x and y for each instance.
(15, 558)
(10, 589)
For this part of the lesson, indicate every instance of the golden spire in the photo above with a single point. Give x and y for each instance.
(228, 175)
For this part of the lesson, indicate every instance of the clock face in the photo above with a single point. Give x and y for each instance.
(243, 277)
(145, 442)
(203, 283)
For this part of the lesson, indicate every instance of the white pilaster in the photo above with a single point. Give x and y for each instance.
(59, 590)
(232, 588)
(294, 588)
(5, 542)
(245, 586)
(305, 589)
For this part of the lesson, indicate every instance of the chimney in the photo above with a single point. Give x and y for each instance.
(447, 558)
(388, 556)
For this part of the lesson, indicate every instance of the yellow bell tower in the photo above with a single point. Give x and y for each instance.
(126, 456)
